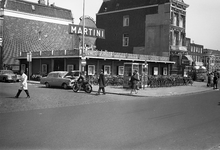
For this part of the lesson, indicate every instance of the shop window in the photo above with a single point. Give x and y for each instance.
(165, 71)
(44, 69)
(125, 39)
(91, 69)
(155, 71)
(125, 21)
(120, 70)
(23, 67)
(70, 68)
(107, 70)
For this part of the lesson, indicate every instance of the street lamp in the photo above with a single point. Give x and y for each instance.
(83, 61)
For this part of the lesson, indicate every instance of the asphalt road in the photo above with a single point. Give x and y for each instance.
(60, 119)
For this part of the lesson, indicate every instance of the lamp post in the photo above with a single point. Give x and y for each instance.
(144, 73)
(83, 61)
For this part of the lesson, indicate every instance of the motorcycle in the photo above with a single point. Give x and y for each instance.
(84, 87)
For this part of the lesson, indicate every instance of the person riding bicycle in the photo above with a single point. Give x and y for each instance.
(82, 79)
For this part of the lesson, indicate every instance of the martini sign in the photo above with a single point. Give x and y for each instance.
(88, 31)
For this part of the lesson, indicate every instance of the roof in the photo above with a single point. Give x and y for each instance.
(37, 9)
(113, 5)
(23, 35)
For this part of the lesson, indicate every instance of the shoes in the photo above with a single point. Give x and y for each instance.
(28, 97)
(16, 96)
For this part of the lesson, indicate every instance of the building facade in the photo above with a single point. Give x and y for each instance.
(33, 27)
(211, 59)
(42, 31)
(145, 27)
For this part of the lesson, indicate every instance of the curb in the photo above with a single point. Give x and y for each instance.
(108, 91)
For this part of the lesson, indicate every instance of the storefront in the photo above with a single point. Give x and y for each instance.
(111, 62)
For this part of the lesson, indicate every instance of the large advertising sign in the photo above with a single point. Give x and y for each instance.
(88, 31)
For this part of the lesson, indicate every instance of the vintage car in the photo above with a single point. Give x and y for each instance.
(8, 76)
(62, 79)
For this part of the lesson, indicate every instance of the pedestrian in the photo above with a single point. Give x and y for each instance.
(23, 85)
(137, 76)
(215, 81)
(101, 82)
(134, 80)
(209, 80)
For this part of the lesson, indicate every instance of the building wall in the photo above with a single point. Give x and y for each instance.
(157, 32)
(23, 35)
(114, 30)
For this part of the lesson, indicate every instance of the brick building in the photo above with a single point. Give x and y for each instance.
(34, 27)
(44, 30)
(151, 27)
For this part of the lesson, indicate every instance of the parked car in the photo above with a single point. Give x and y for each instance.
(59, 79)
(8, 76)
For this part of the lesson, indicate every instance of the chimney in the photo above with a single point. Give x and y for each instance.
(42, 2)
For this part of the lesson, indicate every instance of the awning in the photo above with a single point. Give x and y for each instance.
(188, 57)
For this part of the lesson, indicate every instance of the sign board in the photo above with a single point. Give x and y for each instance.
(88, 31)
(186, 62)
(83, 61)
(29, 57)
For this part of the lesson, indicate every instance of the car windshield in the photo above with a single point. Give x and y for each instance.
(7, 72)
(73, 73)
(56, 74)
(62, 74)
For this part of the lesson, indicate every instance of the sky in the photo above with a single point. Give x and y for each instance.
(202, 18)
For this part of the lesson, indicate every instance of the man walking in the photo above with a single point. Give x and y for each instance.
(101, 82)
(23, 85)
(215, 81)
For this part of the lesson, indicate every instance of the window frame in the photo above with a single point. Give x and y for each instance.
(107, 70)
(165, 71)
(68, 68)
(125, 39)
(93, 70)
(23, 67)
(44, 69)
(119, 70)
(126, 21)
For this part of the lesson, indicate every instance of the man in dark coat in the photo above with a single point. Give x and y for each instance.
(215, 81)
(101, 82)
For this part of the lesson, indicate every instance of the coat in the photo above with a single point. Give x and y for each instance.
(23, 82)
(101, 80)
(134, 81)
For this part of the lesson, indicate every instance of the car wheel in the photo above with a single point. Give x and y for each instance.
(64, 86)
(47, 84)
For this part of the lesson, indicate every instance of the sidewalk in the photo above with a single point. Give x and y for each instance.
(154, 92)
(162, 91)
